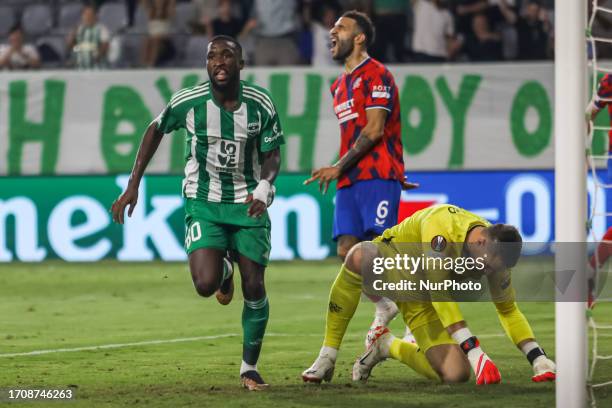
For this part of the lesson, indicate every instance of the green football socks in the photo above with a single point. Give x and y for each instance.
(255, 315)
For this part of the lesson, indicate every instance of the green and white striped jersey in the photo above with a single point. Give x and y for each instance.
(89, 40)
(224, 150)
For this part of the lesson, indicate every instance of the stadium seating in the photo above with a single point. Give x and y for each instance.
(37, 19)
(194, 51)
(184, 14)
(7, 19)
(131, 45)
(52, 49)
(69, 17)
(113, 16)
(139, 26)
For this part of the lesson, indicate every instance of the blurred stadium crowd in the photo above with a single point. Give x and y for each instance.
(173, 33)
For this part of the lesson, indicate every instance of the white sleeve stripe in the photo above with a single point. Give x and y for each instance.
(378, 107)
(182, 93)
(187, 98)
(258, 99)
(185, 91)
(257, 91)
(264, 97)
(260, 103)
(268, 105)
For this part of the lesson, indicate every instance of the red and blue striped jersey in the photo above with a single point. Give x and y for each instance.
(603, 99)
(369, 85)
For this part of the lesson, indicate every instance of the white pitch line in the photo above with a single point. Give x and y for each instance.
(168, 341)
(116, 346)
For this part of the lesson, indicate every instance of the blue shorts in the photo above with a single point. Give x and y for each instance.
(367, 208)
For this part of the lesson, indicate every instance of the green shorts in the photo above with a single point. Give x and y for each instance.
(227, 226)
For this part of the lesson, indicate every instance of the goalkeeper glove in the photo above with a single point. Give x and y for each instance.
(484, 368)
(544, 369)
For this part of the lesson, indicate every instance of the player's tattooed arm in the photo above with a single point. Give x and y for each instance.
(148, 147)
(263, 194)
(362, 146)
(371, 134)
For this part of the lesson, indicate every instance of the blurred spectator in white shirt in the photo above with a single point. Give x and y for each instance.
(157, 44)
(17, 55)
(89, 41)
(433, 39)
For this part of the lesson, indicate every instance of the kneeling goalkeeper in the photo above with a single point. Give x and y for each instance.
(442, 334)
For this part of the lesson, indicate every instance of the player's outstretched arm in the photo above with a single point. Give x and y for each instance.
(262, 196)
(148, 146)
(518, 329)
(485, 370)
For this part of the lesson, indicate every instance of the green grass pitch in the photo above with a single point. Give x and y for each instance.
(56, 305)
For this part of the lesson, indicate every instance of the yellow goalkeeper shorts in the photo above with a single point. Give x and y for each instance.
(423, 321)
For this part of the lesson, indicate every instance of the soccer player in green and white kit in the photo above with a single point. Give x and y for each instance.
(232, 159)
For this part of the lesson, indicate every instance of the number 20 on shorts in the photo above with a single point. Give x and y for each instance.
(193, 234)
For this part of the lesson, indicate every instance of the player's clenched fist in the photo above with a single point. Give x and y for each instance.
(486, 371)
(129, 197)
(544, 369)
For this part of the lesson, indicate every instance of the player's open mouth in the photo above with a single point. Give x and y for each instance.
(333, 44)
(221, 74)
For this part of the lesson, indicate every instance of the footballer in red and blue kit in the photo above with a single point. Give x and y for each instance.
(368, 194)
(602, 99)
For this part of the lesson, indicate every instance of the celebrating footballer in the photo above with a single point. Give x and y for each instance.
(232, 160)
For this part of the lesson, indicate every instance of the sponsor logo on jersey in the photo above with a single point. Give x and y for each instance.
(344, 111)
(341, 107)
(276, 133)
(271, 139)
(438, 243)
(381, 91)
(253, 129)
(227, 156)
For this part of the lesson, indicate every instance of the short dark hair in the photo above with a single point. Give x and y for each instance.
(508, 243)
(364, 23)
(90, 4)
(227, 38)
(14, 28)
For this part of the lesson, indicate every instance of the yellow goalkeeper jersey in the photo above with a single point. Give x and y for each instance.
(432, 224)
(443, 229)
